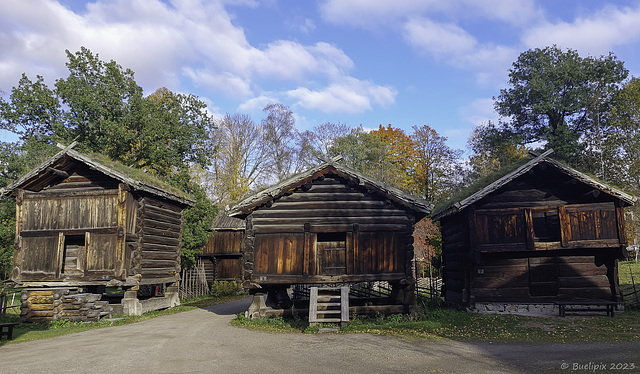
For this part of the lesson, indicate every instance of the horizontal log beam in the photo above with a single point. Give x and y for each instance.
(79, 231)
(66, 193)
(153, 223)
(148, 213)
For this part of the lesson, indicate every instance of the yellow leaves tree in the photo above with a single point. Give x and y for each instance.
(399, 158)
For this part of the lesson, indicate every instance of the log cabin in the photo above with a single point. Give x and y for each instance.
(329, 224)
(84, 221)
(541, 233)
(222, 254)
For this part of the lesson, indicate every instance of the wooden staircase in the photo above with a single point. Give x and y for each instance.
(329, 304)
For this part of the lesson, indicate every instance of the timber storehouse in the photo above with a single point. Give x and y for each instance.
(542, 233)
(329, 225)
(85, 223)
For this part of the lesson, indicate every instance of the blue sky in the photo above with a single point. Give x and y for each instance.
(359, 62)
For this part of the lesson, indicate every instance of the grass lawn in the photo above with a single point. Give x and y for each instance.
(435, 322)
(25, 332)
(427, 321)
(629, 274)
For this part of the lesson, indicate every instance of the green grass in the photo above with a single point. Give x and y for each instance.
(25, 332)
(628, 274)
(434, 322)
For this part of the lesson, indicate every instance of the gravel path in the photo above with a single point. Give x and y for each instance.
(202, 341)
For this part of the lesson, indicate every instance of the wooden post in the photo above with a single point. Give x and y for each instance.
(122, 234)
(60, 255)
(17, 259)
(307, 249)
(530, 234)
(621, 229)
(565, 226)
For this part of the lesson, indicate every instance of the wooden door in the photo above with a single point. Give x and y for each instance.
(74, 255)
(331, 249)
(543, 276)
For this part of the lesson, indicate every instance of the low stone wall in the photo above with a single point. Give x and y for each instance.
(541, 309)
(51, 304)
(522, 309)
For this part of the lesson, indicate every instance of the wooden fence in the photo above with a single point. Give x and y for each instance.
(194, 282)
(6, 301)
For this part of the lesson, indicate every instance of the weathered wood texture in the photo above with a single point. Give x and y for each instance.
(328, 230)
(89, 228)
(225, 242)
(542, 236)
(159, 244)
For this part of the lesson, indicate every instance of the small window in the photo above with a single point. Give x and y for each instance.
(332, 237)
(546, 226)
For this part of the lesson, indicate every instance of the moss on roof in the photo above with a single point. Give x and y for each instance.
(481, 183)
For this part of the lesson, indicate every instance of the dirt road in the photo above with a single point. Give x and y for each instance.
(202, 341)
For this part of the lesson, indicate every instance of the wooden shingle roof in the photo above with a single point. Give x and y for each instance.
(224, 222)
(459, 205)
(41, 177)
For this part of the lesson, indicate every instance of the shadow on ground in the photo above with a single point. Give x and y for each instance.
(231, 308)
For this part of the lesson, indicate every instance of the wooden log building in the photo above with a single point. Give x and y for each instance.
(542, 233)
(329, 224)
(86, 221)
(224, 249)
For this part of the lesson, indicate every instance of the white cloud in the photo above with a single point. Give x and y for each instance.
(438, 38)
(349, 96)
(256, 104)
(518, 13)
(164, 43)
(449, 43)
(369, 14)
(594, 34)
(479, 112)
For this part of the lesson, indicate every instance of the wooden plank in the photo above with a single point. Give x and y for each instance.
(68, 194)
(307, 251)
(119, 256)
(572, 208)
(158, 247)
(336, 203)
(343, 211)
(60, 255)
(565, 226)
(621, 225)
(332, 220)
(163, 211)
(78, 231)
(156, 216)
(529, 234)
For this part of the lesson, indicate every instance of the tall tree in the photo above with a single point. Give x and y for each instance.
(437, 169)
(240, 158)
(280, 135)
(362, 151)
(323, 137)
(554, 95)
(492, 147)
(102, 106)
(623, 146)
(400, 157)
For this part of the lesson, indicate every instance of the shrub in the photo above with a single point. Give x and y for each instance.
(224, 288)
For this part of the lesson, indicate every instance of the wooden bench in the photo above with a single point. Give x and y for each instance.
(6, 329)
(586, 306)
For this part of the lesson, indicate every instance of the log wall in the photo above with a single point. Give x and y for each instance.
(157, 254)
(541, 237)
(328, 230)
